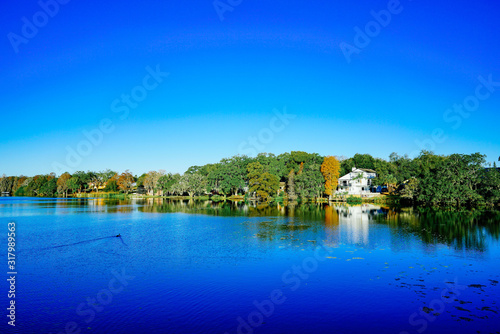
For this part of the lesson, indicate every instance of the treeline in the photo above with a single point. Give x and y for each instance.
(438, 180)
(429, 179)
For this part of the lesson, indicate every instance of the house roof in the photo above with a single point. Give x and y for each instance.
(348, 175)
(367, 170)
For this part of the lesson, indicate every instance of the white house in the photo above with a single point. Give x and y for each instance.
(357, 182)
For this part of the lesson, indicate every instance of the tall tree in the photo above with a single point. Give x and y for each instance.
(112, 183)
(62, 184)
(5, 184)
(19, 183)
(181, 186)
(452, 180)
(166, 182)
(74, 184)
(291, 186)
(125, 181)
(49, 187)
(264, 184)
(330, 168)
(151, 181)
(83, 179)
(231, 174)
(310, 183)
(272, 164)
(490, 185)
(195, 183)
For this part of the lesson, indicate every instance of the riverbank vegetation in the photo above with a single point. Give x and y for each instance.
(457, 180)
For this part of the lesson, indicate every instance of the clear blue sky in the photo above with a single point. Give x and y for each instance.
(227, 76)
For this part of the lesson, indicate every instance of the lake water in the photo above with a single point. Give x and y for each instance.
(198, 267)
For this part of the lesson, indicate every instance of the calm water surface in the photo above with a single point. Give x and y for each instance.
(198, 267)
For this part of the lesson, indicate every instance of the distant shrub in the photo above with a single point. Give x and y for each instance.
(217, 198)
(354, 200)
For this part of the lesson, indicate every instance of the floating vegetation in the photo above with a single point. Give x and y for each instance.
(487, 308)
(478, 286)
(461, 309)
(427, 309)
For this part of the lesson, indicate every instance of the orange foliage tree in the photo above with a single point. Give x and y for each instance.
(330, 168)
(62, 184)
(125, 181)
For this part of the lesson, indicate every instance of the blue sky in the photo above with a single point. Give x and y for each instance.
(228, 78)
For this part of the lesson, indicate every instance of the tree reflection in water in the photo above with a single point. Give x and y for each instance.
(458, 229)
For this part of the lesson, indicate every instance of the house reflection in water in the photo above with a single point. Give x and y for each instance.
(349, 223)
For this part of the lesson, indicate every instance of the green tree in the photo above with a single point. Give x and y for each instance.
(193, 169)
(388, 180)
(181, 186)
(19, 182)
(452, 180)
(386, 172)
(310, 183)
(264, 184)
(195, 183)
(42, 185)
(214, 179)
(231, 174)
(276, 165)
(21, 191)
(112, 184)
(166, 182)
(83, 180)
(365, 161)
(74, 184)
(151, 181)
(410, 189)
(140, 180)
(401, 167)
(489, 187)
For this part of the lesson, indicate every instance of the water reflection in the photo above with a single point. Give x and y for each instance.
(354, 221)
(460, 230)
(331, 223)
